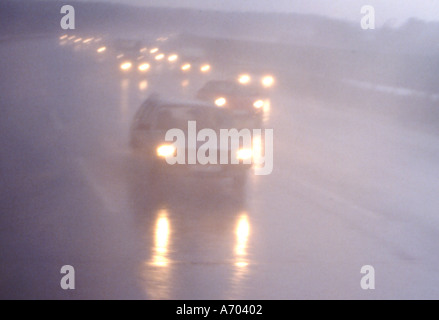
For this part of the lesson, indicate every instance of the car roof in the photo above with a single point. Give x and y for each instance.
(176, 103)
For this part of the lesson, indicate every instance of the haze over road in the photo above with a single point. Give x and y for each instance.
(353, 184)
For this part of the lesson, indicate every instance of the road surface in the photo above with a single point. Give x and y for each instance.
(351, 186)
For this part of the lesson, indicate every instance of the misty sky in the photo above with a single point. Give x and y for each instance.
(392, 11)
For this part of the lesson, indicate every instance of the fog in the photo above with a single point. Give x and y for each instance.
(392, 12)
(355, 173)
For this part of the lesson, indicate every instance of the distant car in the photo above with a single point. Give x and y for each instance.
(129, 47)
(131, 56)
(262, 80)
(242, 100)
(156, 116)
(194, 61)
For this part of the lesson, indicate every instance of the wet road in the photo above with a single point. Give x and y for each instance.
(351, 187)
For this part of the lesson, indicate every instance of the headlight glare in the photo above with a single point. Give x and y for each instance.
(221, 102)
(166, 150)
(244, 154)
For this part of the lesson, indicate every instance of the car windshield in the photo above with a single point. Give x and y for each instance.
(177, 117)
(231, 88)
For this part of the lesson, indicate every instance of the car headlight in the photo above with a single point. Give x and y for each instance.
(185, 67)
(172, 58)
(258, 104)
(166, 150)
(160, 56)
(244, 154)
(144, 67)
(125, 66)
(205, 68)
(220, 102)
(244, 79)
(267, 81)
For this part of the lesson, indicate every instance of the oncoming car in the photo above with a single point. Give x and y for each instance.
(246, 101)
(157, 116)
(130, 57)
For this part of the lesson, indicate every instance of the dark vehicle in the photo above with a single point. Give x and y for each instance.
(157, 116)
(130, 48)
(131, 57)
(194, 61)
(242, 100)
